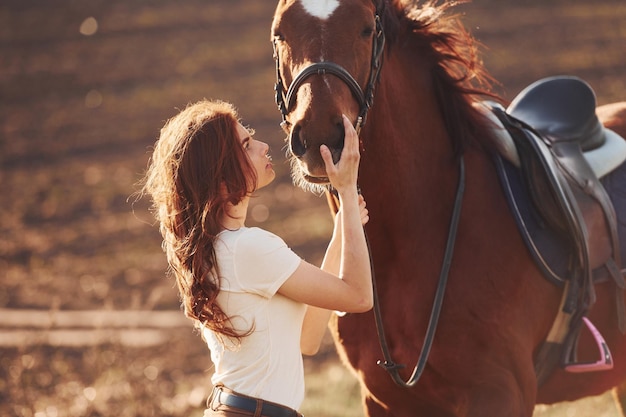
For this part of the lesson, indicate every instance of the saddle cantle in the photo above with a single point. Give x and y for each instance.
(552, 124)
(563, 109)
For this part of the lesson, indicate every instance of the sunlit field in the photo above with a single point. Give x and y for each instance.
(89, 323)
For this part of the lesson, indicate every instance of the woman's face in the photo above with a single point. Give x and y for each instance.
(258, 154)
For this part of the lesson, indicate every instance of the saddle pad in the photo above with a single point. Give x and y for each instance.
(548, 249)
(608, 157)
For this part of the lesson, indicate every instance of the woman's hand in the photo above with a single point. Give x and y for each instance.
(343, 175)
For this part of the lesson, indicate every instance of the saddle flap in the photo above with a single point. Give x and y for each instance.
(561, 108)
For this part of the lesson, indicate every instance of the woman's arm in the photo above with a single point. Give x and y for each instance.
(347, 256)
(316, 319)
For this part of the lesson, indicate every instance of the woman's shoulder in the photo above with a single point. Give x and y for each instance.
(257, 231)
(258, 236)
(250, 235)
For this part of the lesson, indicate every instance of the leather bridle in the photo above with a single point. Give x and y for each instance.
(285, 101)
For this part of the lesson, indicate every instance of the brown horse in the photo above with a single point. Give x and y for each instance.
(498, 308)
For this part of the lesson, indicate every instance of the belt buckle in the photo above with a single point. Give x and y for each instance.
(214, 399)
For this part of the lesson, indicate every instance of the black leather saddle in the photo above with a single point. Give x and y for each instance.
(558, 118)
(552, 122)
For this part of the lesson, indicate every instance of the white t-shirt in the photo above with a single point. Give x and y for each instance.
(253, 264)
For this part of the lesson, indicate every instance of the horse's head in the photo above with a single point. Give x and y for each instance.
(327, 60)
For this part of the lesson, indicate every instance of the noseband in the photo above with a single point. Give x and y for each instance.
(365, 98)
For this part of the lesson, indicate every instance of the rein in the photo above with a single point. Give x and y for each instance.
(388, 364)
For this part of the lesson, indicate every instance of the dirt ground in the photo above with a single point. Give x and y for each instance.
(85, 87)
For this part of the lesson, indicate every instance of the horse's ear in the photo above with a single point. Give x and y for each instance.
(333, 202)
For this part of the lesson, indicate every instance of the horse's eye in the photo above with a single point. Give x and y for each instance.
(278, 37)
(367, 32)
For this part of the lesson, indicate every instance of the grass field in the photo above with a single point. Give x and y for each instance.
(85, 87)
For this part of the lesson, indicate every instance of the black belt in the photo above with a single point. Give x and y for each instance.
(250, 404)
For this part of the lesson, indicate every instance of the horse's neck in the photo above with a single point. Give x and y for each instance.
(406, 131)
(408, 158)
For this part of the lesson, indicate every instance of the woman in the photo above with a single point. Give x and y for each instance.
(258, 305)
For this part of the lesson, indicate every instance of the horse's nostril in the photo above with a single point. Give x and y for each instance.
(342, 134)
(296, 142)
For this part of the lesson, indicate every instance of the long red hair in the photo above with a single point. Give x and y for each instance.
(197, 169)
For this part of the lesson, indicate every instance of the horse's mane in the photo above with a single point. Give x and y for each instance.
(458, 75)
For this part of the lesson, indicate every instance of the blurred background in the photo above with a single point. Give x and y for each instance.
(89, 323)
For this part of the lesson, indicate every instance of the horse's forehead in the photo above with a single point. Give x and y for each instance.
(322, 9)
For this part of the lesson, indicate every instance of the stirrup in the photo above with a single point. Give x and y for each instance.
(605, 362)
